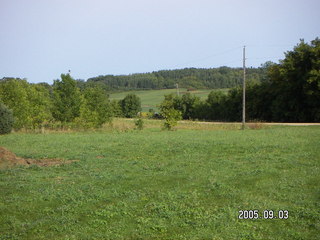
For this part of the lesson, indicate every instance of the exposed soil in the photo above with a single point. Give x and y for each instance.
(9, 159)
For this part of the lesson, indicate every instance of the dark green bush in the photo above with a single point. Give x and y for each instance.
(130, 105)
(6, 119)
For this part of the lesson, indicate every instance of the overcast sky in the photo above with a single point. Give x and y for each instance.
(40, 39)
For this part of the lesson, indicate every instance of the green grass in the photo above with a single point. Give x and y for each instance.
(152, 184)
(152, 98)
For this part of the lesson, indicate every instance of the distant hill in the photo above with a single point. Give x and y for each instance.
(194, 78)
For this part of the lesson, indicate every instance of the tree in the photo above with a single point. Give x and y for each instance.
(223, 77)
(169, 113)
(130, 105)
(31, 103)
(186, 105)
(215, 103)
(14, 94)
(40, 105)
(295, 83)
(116, 108)
(66, 99)
(95, 108)
(6, 119)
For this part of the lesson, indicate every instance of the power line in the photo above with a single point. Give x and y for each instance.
(233, 61)
(209, 56)
(220, 53)
(270, 45)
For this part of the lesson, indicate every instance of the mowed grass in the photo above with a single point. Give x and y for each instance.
(150, 99)
(152, 184)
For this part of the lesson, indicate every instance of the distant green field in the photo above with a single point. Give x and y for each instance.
(152, 184)
(152, 98)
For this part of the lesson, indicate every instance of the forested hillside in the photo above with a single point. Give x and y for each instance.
(223, 77)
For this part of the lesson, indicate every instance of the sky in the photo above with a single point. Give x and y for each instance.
(40, 39)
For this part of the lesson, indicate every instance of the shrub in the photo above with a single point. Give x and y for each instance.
(171, 116)
(139, 124)
(6, 119)
(130, 105)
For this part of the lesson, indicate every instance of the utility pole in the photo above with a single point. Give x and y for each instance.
(177, 86)
(244, 89)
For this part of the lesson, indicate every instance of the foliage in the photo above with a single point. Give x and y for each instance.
(186, 104)
(95, 108)
(139, 123)
(6, 119)
(31, 103)
(215, 102)
(66, 99)
(34, 105)
(130, 105)
(116, 109)
(41, 105)
(292, 93)
(169, 113)
(199, 78)
(14, 94)
(296, 83)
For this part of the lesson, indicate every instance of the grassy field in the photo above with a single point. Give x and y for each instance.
(153, 184)
(152, 98)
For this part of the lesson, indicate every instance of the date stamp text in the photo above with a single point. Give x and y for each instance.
(265, 214)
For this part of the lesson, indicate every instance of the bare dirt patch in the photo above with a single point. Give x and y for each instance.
(9, 159)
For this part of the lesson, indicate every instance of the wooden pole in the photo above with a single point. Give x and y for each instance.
(177, 86)
(244, 90)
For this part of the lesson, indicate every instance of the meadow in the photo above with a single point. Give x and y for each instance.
(150, 99)
(153, 184)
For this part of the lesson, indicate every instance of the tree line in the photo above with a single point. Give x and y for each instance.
(194, 78)
(63, 104)
(290, 92)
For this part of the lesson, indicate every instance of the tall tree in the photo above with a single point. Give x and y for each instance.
(31, 103)
(215, 103)
(95, 109)
(41, 105)
(14, 94)
(295, 83)
(66, 99)
(6, 119)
